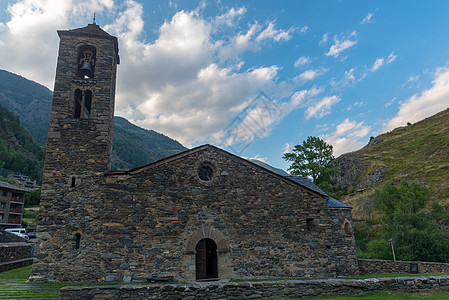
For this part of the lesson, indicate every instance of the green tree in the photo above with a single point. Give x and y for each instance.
(33, 198)
(419, 232)
(313, 159)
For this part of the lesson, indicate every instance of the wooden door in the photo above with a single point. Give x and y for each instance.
(206, 260)
(201, 260)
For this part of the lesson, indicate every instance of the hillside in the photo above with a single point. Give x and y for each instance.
(132, 146)
(18, 150)
(417, 152)
(29, 100)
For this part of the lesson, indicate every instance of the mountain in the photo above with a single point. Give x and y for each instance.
(416, 152)
(132, 146)
(29, 100)
(18, 150)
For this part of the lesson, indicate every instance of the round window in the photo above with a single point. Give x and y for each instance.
(205, 173)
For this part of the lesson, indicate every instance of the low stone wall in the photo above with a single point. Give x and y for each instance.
(371, 266)
(14, 255)
(255, 290)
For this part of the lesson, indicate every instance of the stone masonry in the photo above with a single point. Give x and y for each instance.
(201, 212)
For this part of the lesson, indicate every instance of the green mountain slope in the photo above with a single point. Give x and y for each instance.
(29, 100)
(417, 152)
(18, 150)
(139, 146)
(132, 146)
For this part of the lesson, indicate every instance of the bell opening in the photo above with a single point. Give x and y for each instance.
(86, 62)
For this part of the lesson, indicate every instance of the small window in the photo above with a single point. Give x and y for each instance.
(73, 181)
(77, 240)
(348, 230)
(5, 193)
(1, 216)
(310, 224)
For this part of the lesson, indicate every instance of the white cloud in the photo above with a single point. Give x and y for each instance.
(322, 107)
(251, 40)
(368, 19)
(304, 29)
(310, 74)
(275, 34)
(348, 136)
(413, 78)
(259, 158)
(341, 45)
(389, 103)
(424, 104)
(377, 64)
(391, 58)
(303, 60)
(350, 78)
(324, 39)
(287, 148)
(230, 17)
(29, 40)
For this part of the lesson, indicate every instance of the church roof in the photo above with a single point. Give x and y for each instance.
(302, 181)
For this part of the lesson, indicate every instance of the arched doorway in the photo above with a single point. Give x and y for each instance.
(206, 260)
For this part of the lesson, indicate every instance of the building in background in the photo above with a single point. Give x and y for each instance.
(24, 181)
(12, 199)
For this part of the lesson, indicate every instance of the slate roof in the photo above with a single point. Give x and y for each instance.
(9, 186)
(93, 29)
(304, 181)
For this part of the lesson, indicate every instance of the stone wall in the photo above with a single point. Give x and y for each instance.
(255, 290)
(371, 266)
(15, 255)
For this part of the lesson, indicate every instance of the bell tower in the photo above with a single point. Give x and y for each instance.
(79, 148)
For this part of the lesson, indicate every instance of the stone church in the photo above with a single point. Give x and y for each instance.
(203, 214)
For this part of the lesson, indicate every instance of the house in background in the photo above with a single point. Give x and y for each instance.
(12, 200)
(24, 181)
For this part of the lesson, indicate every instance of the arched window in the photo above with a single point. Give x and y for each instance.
(87, 55)
(206, 260)
(348, 229)
(83, 103)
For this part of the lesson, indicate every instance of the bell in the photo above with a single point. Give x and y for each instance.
(86, 70)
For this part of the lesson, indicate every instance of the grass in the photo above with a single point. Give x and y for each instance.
(30, 215)
(14, 285)
(418, 152)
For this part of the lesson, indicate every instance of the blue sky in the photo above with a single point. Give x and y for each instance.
(341, 70)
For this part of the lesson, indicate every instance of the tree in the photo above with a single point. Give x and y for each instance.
(312, 158)
(420, 233)
(33, 198)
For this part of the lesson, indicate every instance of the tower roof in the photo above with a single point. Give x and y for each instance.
(92, 30)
